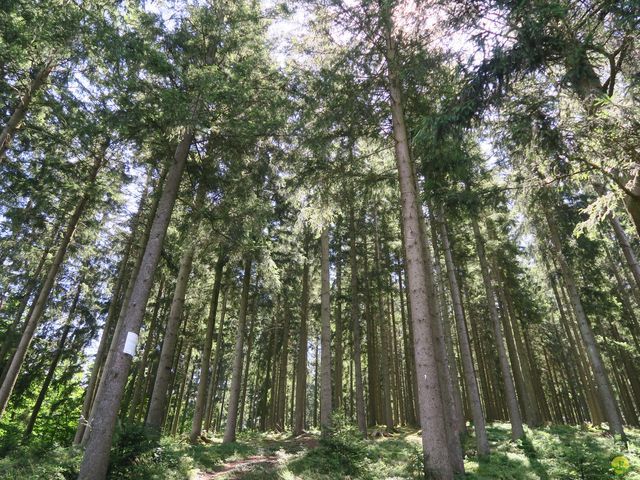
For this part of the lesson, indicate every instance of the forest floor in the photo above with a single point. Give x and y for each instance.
(548, 453)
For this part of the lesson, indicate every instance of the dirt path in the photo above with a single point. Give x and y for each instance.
(237, 468)
(240, 466)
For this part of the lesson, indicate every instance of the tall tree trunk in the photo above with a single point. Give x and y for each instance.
(301, 368)
(450, 411)
(107, 403)
(284, 357)
(625, 246)
(217, 362)
(245, 376)
(46, 287)
(593, 351)
(434, 439)
(158, 405)
(339, 355)
(11, 334)
(199, 408)
(325, 337)
(463, 342)
(316, 370)
(137, 394)
(517, 430)
(236, 380)
(361, 415)
(407, 340)
(631, 202)
(109, 340)
(384, 334)
(54, 363)
(25, 101)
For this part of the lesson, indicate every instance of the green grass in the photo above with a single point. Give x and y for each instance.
(549, 453)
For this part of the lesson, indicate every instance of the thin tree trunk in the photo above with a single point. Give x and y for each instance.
(445, 375)
(25, 101)
(45, 290)
(384, 334)
(199, 408)
(247, 354)
(325, 337)
(517, 430)
(107, 403)
(361, 415)
(316, 370)
(463, 342)
(158, 405)
(236, 380)
(136, 398)
(11, 334)
(54, 363)
(284, 357)
(213, 384)
(625, 246)
(301, 368)
(339, 355)
(631, 202)
(410, 396)
(593, 351)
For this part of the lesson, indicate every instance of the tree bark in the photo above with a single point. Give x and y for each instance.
(158, 405)
(301, 368)
(384, 334)
(434, 440)
(517, 430)
(236, 380)
(471, 382)
(136, 396)
(633, 202)
(199, 408)
(43, 296)
(625, 246)
(361, 415)
(107, 403)
(593, 351)
(325, 337)
(339, 355)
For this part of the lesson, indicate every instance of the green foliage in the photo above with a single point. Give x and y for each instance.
(38, 464)
(343, 452)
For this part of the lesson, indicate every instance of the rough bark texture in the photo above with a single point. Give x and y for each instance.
(236, 374)
(107, 403)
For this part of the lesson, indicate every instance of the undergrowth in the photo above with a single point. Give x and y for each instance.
(548, 453)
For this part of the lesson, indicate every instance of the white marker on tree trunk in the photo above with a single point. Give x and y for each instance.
(131, 343)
